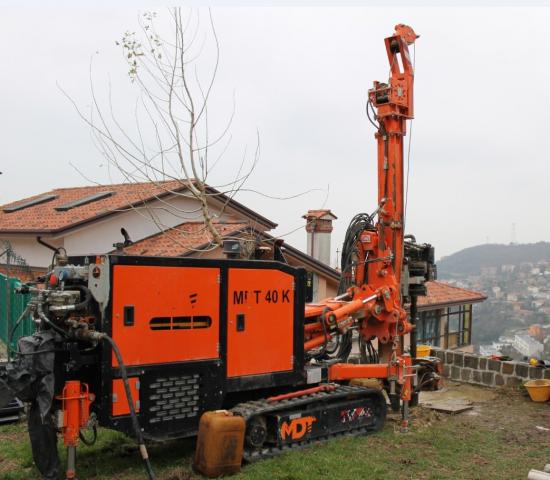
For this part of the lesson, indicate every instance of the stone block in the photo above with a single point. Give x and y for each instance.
(437, 352)
(455, 372)
(466, 374)
(507, 368)
(513, 381)
(471, 361)
(476, 376)
(535, 372)
(447, 371)
(522, 370)
(487, 378)
(547, 373)
(458, 359)
(494, 365)
(482, 363)
(449, 357)
(499, 380)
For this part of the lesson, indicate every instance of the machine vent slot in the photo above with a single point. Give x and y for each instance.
(180, 323)
(160, 323)
(174, 398)
(202, 322)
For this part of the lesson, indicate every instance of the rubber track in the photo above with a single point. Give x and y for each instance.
(250, 409)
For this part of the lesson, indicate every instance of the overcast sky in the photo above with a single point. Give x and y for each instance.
(479, 153)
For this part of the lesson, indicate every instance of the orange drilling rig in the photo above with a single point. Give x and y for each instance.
(149, 345)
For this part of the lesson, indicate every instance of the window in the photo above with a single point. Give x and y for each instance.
(458, 322)
(30, 203)
(427, 328)
(446, 328)
(84, 201)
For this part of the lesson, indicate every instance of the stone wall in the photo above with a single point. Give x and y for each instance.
(470, 368)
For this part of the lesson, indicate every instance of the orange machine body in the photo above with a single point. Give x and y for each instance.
(193, 332)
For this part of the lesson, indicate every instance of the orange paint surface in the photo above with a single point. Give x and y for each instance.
(266, 300)
(170, 304)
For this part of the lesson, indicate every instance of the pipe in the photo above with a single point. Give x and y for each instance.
(538, 475)
(413, 314)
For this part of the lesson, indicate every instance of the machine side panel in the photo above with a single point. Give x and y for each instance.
(260, 321)
(164, 314)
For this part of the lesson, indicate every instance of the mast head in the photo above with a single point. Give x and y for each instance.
(406, 32)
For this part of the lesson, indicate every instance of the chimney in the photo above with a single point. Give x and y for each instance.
(319, 228)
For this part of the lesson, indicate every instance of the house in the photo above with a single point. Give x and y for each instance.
(528, 346)
(445, 316)
(161, 218)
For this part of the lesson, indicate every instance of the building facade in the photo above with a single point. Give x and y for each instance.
(161, 218)
(445, 316)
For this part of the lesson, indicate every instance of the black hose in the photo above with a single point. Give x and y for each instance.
(87, 296)
(130, 400)
(358, 224)
(14, 328)
(87, 442)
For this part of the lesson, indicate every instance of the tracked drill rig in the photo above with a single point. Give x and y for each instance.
(147, 345)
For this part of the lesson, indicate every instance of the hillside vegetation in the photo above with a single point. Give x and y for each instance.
(470, 260)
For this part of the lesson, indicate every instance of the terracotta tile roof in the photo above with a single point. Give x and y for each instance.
(318, 214)
(441, 294)
(181, 240)
(44, 217)
(185, 238)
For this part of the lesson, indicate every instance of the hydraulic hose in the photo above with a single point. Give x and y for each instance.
(14, 328)
(87, 297)
(129, 398)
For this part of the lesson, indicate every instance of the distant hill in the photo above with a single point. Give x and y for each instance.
(470, 260)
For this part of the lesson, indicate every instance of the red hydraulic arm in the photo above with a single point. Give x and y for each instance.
(373, 303)
(76, 401)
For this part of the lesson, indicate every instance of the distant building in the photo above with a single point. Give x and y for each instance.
(446, 316)
(528, 346)
(488, 350)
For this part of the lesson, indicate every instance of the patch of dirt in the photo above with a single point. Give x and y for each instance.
(507, 410)
(460, 391)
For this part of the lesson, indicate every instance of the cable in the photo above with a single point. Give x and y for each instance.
(367, 105)
(87, 442)
(129, 398)
(358, 224)
(14, 328)
(87, 297)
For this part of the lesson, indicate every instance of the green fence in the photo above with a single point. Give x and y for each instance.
(12, 306)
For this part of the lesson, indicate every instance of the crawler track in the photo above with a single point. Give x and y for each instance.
(326, 401)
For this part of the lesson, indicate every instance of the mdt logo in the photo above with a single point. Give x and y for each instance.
(297, 427)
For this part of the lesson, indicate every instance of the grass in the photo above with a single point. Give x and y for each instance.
(502, 442)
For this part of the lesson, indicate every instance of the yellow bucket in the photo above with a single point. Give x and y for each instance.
(539, 390)
(423, 351)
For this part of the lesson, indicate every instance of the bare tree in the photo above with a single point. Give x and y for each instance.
(170, 143)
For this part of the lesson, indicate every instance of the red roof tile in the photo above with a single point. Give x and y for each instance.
(45, 218)
(441, 294)
(181, 240)
(318, 214)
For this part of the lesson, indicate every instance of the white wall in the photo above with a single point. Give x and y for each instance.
(34, 254)
(321, 246)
